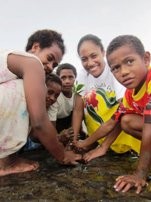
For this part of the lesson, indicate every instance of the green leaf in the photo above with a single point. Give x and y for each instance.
(78, 88)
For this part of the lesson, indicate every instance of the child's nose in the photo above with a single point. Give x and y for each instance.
(53, 98)
(124, 70)
(49, 67)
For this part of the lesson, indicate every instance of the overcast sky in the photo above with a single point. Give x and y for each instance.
(74, 18)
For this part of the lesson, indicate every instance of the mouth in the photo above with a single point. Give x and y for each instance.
(67, 87)
(128, 82)
(93, 69)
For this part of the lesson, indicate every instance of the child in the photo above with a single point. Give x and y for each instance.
(54, 86)
(130, 65)
(28, 101)
(61, 112)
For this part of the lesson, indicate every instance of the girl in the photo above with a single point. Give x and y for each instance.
(25, 98)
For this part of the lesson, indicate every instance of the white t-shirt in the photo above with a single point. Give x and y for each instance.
(61, 108)
(106, 80)
(14, 118)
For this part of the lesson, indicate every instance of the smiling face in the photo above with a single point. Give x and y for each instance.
(50, 56)
(129, 68)
(92, 58)
(53, 91)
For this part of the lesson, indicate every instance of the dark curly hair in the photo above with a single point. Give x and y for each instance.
(46, 38)
(53, 78)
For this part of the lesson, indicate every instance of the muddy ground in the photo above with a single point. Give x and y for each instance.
(92, 182)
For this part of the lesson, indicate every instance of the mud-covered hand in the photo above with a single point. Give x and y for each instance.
(71, 158)
(66, 135)
(124, 183)
(80, 144)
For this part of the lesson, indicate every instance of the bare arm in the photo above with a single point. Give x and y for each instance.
(145, 153)
(33, 76)
(77, 116)
(138, 178)
(101, 132)
(54, 123)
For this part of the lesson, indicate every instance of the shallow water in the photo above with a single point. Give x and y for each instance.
(92, 182)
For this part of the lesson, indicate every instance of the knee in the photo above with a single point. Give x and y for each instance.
(125, 123)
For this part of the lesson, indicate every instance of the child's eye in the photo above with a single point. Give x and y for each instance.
(50, 92)
(55, 64)
(57, 95)
(115, 68)
(129, 62)
(50, 58)
(63, 78)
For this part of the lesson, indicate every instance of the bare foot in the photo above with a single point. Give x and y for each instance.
(16, 165)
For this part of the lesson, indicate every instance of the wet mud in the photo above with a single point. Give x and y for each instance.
(92, 182)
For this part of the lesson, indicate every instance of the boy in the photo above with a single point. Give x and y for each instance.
(130, 65)
(61, 112)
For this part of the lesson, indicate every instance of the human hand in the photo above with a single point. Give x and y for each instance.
(71, 158)
(124, 183)
(94, 153)
(80, 144)
(66, 136)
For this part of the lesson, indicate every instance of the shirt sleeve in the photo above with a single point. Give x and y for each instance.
(52, 112)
